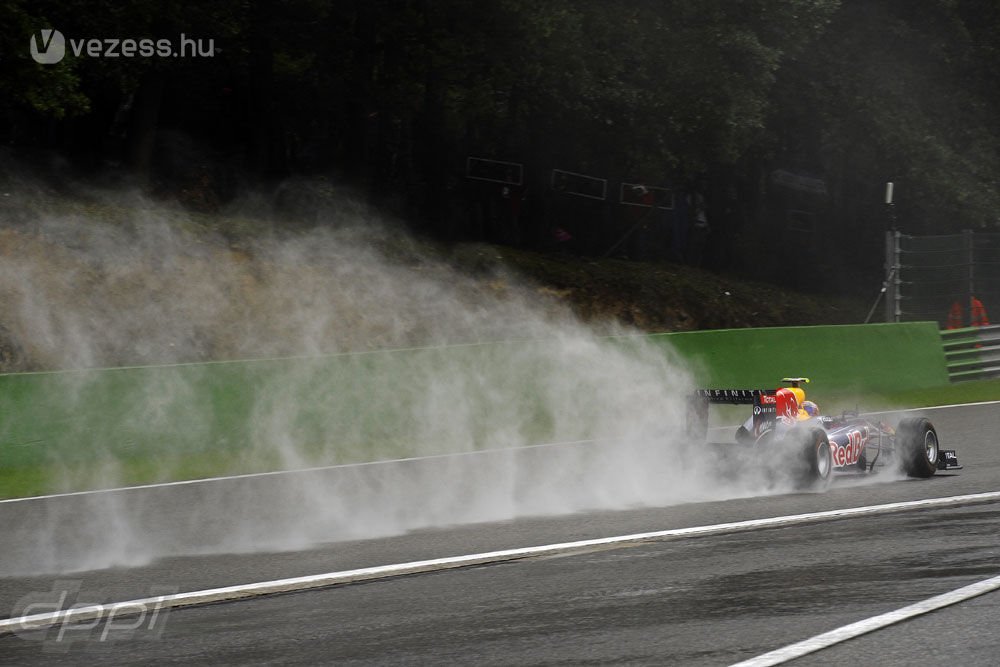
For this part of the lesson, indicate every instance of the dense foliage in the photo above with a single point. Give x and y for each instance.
(791, 114)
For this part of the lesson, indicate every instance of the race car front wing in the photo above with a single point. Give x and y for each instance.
(948, 460)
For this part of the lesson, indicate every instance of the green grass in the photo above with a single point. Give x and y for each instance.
(963, 392)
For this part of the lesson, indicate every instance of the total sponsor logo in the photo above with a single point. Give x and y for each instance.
(768, 399)
(849, 454)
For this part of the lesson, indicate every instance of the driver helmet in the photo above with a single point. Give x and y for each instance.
(811, 408)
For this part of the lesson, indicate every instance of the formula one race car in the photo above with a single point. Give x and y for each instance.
(787, 431)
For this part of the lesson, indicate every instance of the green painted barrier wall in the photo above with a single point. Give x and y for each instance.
(176, 422)
(863, 357)
(232, 406)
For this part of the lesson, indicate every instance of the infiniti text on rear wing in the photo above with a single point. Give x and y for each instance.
(763, 401)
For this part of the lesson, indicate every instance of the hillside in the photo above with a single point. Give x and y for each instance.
(88, 283)
(662, 296)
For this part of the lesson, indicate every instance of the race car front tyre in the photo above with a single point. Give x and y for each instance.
(917, 446)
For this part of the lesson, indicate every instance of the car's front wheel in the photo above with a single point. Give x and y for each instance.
(917, 447)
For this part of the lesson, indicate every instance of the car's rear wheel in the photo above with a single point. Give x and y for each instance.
(802, 455)
(816, 464)
(917, 446)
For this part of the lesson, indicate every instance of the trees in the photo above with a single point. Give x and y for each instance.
(393, 94)
(895, 91)
(48, 91)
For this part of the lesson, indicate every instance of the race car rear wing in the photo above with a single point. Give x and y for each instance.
(764, 404)
(733, 396)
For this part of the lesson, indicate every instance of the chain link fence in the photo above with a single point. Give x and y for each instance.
(951, 279)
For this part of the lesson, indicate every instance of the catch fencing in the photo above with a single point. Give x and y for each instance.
(951, 279)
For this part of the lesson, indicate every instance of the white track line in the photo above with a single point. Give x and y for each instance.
(842, 634)
(34, 621)
(933, 407)
(273, 473)
(206, 480)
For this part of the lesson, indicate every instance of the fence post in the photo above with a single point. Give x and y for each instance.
(889, 289)
(892, 281)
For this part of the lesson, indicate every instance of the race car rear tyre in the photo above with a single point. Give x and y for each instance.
(818, 459)
(809, 458)
(917, 446)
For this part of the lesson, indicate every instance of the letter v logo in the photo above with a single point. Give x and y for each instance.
(53, 47)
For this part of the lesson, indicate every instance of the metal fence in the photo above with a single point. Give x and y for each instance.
(952, 279)
(972, 353)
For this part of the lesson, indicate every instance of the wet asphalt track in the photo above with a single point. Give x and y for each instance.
(710, 600)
